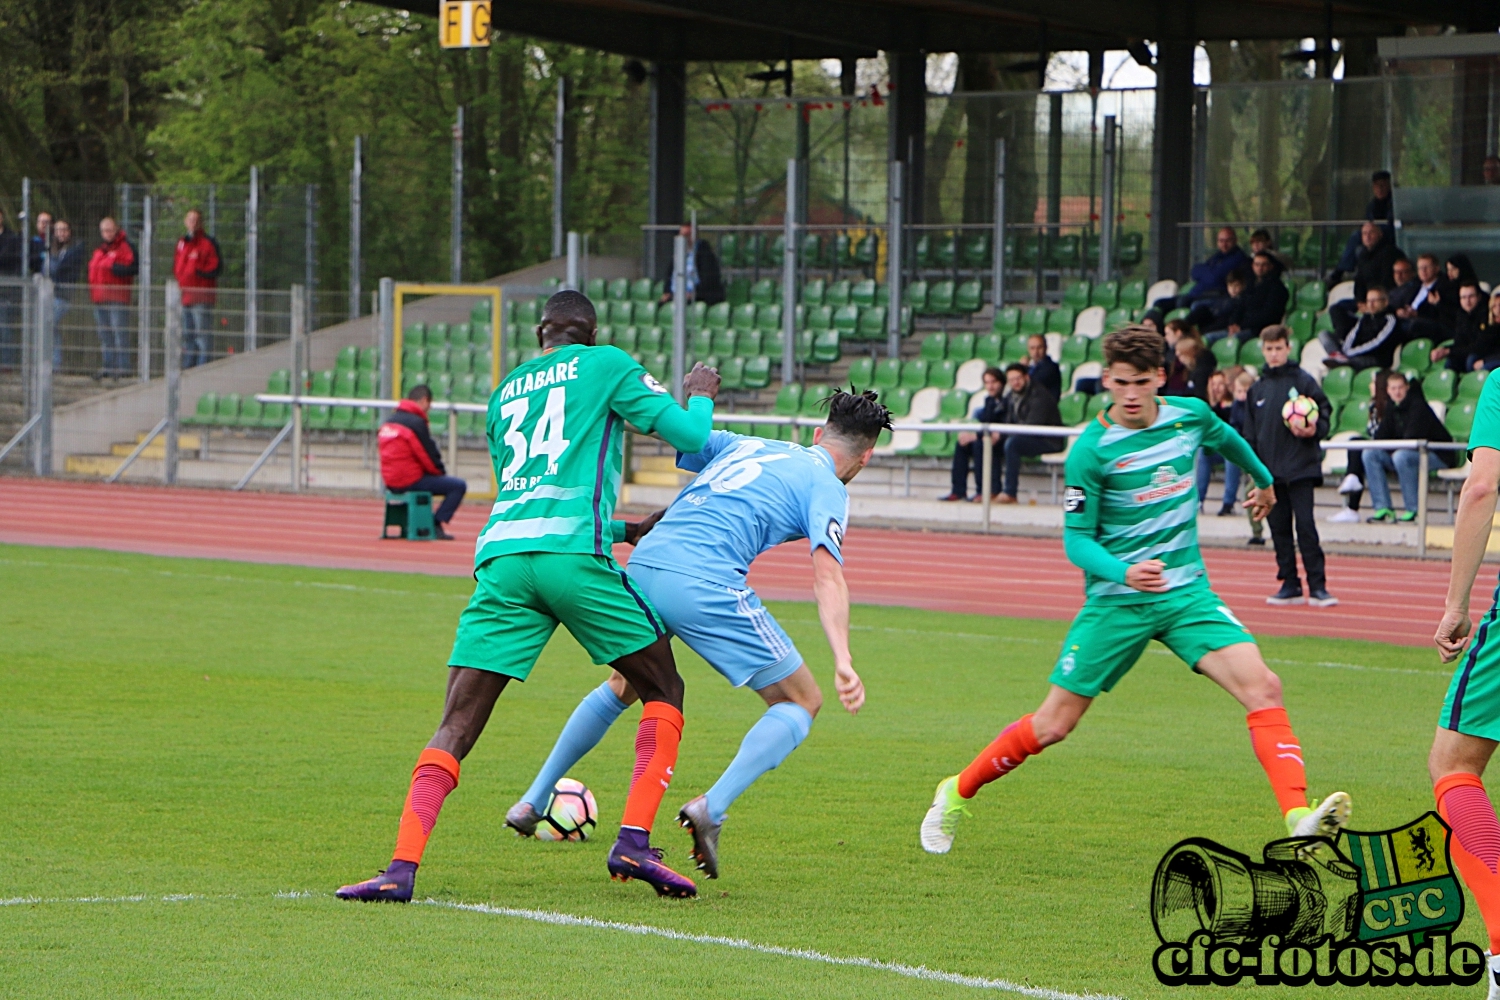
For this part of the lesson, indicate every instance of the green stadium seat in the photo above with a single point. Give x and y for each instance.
(1077, 295)
(1071, 407)
(621, 313)
(724, 343)
(369, 359)
(641, 290)
(460, 360)
(969, 297)
(953, 405)
(438, 359)
(738, 292)
(437, 335)
(862, 293)
(744, 316)
(697, 316)
(940, 297)
(764, 292)
(529, 312)
(825, 347)
(862, 372)
(1417, 354)
(888, 374)
(1460, 418)
(1359, 385)
(1098, 403)
(651, 314)
(718, 316)
(1355, 415)
(1061, 320)
(936, 444)
(596, 290)
(414, 359)
(203, 413)
(1300, 322)
(752, 247)
(1470, 385)
(757, 373)
(1116, 318)
(944, 250)
(961, 346)
(1106, 294)
(1251, 354)
(275, 415)
(1312, 296)
(821, 318)
(846, 319)
(1174, 314)
(227, 412)
(914, 374)
(943, 374)
(989, 348)
(813, 292)
(1075, 349)
(463, 387)
(660, 367)
(975, 250)
(838, 294)
(934, 346)
(650, 340)
(732, 372)
(1133, 295)
(749, 343)
(811, 251)
(867, 251)
(729, 249)
(768, 317)
(1226, 351)
(280, 382)
(1007, 321)
(1016, 347)
(619, 289)
(914, 295)
(251, 412)
(700, 342)
(348, 359)
(1034, 320)
(1440, 384)
(872, 323)
(414, 335)
(322, 384)
(460, 334)
(604, 335)
(345, 384)
(624, 338)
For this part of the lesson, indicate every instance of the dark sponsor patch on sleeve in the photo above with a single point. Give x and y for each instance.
(1075, 501)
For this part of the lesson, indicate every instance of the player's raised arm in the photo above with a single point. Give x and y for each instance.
(688, 430)
(832, 595)
(1471, 536)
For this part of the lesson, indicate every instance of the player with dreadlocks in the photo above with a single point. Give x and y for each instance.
(751, 494)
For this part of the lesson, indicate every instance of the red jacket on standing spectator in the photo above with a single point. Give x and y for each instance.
(407, 451)
(197, 266)
(112, 271)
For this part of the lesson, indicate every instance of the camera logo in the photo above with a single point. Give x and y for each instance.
(1374, 909)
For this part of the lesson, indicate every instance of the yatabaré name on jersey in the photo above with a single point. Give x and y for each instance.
(563, 371)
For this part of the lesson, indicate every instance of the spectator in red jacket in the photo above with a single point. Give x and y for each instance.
(410, 460)
(112, 271)
(196, 267)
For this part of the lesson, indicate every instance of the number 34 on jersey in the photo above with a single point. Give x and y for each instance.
(532, 433)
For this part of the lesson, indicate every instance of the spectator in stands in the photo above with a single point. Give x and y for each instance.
(112, 271)
(1028, 403)
(197, 266)
(1209, 276)
(705, 282)
(1487, 344)
(41, 242)
(63, 263)
(1261, 242)
(1195, 363)
(1373, 340)
(1296, 465)
(1463, 353)
(1213, 316)
(1407, 417)
(1378, 210)
(410, 460)
(12, 246)
(1458, 270)
(1040, 367)
(1353, 486)
(1233, 474)
(1262, 303)
(1491, 169)
(1175, 330)
(1221, 401)
(1374, 265)
(968, 453)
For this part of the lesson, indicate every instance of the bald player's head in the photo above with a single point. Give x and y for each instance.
(567, 318)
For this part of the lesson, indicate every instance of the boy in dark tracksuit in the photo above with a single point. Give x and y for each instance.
(1296, 463)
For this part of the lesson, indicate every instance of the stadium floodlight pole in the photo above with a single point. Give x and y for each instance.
(997, 280)
(679, 315)
(456, 225)
(1107, 202)
(356, 205)
(309, 248)
(172, 370)
(252, 261)
(893, 254)
(558, 150)
(789, 279)
(573, 254)
(298, 332)
(25, 227)
(143, 311)
(41, 442)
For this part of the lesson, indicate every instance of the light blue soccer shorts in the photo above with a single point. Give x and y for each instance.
(726, 626)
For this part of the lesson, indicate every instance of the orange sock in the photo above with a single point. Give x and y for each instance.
(435, 775)
(1014, 744)
(1280, 754)
(655, 755)
(1475, 845)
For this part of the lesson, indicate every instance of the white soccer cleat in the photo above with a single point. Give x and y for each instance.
(941, 822)
(1323, 820)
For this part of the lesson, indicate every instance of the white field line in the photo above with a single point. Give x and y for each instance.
(647, 930)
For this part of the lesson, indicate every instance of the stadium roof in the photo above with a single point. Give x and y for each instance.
(809, 29)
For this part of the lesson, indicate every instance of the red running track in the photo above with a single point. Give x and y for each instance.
(1389, 600)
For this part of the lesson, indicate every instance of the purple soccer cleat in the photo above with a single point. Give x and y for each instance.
(633, 857)
(394, 885)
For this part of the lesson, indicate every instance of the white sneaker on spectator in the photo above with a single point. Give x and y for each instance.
(1351, 484)
(1344, 516)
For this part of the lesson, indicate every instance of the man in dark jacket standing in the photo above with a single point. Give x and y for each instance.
(1296, 464)
(1028, 403)
(969, 451)
(410, 460)
(1040, 367)
(12, 247)
(1407, 417)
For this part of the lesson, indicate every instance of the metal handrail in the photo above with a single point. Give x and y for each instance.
(25, 430)
(161, 425)
(265, 456)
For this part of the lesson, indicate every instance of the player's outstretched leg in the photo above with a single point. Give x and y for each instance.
(793, 703)
(471, 697)
(1025, 737)
(1456, 763)
(586, 727)
(652, 672)
(1240, 670)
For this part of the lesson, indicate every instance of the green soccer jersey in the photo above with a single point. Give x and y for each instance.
(556, 431)
(1131, 495)
(1485, 432)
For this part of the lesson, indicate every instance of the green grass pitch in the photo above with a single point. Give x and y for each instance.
(242, 735)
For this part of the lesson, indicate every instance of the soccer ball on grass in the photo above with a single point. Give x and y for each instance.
(1300, 412)
(571, 813)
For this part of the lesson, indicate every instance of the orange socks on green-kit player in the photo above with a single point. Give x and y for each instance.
(1280, 753)
(633, 857)
(1015, 743)
(435, 775)
(1475, 844)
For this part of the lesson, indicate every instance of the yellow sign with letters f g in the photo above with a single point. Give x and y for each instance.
(464, 24)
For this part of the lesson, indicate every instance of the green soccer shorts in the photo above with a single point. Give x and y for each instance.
(520, 599)
(1106, 640)
(1472, 706)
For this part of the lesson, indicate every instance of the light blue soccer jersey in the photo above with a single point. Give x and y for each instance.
(750, 495)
